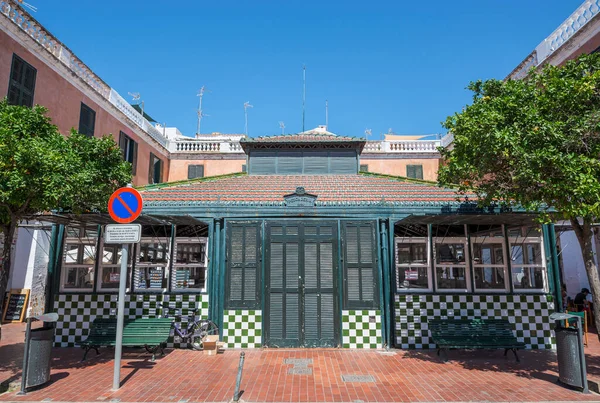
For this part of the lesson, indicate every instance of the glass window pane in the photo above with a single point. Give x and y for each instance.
(149, 278)
(528, 277)
(451, 277)
(111, 254)
(490, 253)
(191, 253)
(412, 277)
(110, 277)
(489, 277)
(153, 252)
(72, 254)
(449, 253)
(79, 277)
(411, 253)
(189, 277)
(522, 232)
(526, 253)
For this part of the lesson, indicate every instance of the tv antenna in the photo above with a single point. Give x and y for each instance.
(199, 112)
(246, 106)
(136, 97)
(29, 6)
(367, 133)
(326, 115)
(282, 127)
(303, 94)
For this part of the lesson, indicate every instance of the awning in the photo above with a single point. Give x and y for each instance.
(104, 218)
(138, 108)
(484, 219)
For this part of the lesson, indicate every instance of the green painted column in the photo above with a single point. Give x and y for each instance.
(553, 268)
(215, 299)
(385, 285)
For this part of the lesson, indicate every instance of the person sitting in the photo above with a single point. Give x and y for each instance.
(581, 301)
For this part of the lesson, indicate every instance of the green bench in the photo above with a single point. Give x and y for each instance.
(152, 334)
(473, 334)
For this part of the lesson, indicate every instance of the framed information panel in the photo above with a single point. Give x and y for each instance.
(16, 305)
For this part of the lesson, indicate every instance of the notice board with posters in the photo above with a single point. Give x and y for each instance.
(16, 305)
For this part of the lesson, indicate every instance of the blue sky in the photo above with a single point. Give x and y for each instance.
(381, 64)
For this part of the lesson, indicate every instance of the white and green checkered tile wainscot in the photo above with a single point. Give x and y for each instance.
(242, 329)
(361, 329)
(529, 315)
(76, 312)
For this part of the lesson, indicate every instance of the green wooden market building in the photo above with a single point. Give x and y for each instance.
(304, 250)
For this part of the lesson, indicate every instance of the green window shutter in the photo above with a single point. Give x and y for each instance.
(87, 120)
(263, 163)
(360, 266)
(195, 171)
(134, 162)
(316, 163)
(364, 168)
(289, 163)
(123, 144)
(151, 169)
(243, 265)
(21, 84)
(342, 162)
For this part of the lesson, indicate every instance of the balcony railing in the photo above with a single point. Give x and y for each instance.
(204, 146)
(37, 32)
(567, 29)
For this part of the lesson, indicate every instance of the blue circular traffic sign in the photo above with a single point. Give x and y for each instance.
(125, 205)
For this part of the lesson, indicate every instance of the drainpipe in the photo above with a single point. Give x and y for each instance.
(385, 289)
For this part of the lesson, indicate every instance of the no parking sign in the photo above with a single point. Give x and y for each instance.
(125, 205)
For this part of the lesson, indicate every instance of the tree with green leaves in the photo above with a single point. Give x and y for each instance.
(42, 170)
(535, 143)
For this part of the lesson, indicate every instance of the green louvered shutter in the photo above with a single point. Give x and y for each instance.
(243, 265)
(263, 163)
(342, 162)
(361, 288)
(289, 163)
(316, 163)
(414, 171)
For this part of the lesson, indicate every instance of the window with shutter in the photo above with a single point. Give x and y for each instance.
(361, 285)
(21, 84)
(243, 265)
(364, 168)
(342, 162)
(87, 120)
(195, 171)
(155, 169)
(129, 150)
(414, 171)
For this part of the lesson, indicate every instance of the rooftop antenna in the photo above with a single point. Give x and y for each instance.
(29, 6)
(282, 127)
(303, 93)
(200, 113)
(136, 97)
(326, 115)
(246, 106)
(367, 133)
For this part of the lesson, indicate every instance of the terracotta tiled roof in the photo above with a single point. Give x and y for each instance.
(329, 189)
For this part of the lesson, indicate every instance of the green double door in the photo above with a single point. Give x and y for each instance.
(301, 304)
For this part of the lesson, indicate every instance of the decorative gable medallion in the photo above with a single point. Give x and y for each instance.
(300, 199)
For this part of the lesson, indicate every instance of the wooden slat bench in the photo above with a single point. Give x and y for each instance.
(473, 334)
(152, 334)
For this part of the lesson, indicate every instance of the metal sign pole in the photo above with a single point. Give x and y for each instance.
(120, 318)
(23, 390)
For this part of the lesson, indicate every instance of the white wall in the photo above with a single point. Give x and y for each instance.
(574, 274)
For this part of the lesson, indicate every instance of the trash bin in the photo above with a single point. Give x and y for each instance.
(569, 352)
(40, 348)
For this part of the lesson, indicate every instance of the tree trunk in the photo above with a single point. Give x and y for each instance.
(584, 236)
(9, 234)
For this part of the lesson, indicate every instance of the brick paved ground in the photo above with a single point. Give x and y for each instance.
(399, 376)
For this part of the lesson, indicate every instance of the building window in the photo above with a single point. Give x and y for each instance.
(21, 85)
(244, 169)
(87, 120)
(195, 171)
(450, 257)
(243, 266)
(189, 267)
(412, 263)
(488, 255)
(526, 258)
(361, 285)
(79, 259)
(129, 149)
(155, 169)
(414, 171)
(364, 168)
(150, 272)
(110, 267)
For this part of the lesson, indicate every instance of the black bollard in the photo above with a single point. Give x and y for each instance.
(236, 392)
